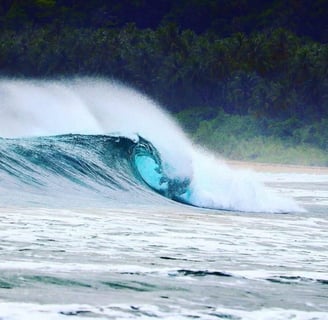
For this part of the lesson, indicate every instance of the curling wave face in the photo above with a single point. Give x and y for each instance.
(80, 170)
(83, 140)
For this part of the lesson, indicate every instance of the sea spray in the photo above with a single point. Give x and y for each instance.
(33, 109)
(215, 185)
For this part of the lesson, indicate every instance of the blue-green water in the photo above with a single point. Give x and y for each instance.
(108, 212)
(162, 261)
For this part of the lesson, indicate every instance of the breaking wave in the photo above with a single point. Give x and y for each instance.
(79, 141)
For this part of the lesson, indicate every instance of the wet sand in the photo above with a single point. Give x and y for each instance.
(277, 168)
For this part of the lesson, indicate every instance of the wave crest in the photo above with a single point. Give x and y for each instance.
(112, 140)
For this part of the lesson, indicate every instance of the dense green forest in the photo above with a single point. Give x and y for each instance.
(256, 68)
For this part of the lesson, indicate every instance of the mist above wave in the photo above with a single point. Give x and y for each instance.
(30, 108)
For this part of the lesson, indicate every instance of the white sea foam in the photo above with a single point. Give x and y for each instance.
(18, 311)
(218, 186)
(93, 106)
(164, 262)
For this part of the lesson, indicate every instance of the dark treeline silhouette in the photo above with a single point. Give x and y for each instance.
(265, 59)
(223, 17)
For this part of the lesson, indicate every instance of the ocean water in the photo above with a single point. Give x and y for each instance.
(108, 211)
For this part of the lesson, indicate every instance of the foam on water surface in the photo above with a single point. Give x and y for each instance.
(162, 261)
(85, 235)
(12, 311)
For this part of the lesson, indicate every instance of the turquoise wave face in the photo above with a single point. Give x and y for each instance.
(150, 168)
(83, 169)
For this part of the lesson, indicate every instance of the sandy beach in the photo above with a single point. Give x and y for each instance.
(276, 168)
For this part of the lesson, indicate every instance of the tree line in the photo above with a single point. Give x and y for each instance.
(273, 74)
(222, 17)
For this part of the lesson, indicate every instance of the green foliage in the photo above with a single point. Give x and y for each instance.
(274, 75)
(314, 134)
(247, 138)
(223, 18)
(249, 57)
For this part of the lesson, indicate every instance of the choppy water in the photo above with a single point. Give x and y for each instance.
(94, 225)
(168, 262)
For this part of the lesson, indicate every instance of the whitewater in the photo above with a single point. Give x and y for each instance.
(95, 109)
(109, 211)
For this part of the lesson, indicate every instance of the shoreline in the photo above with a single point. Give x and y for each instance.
(277, 168)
